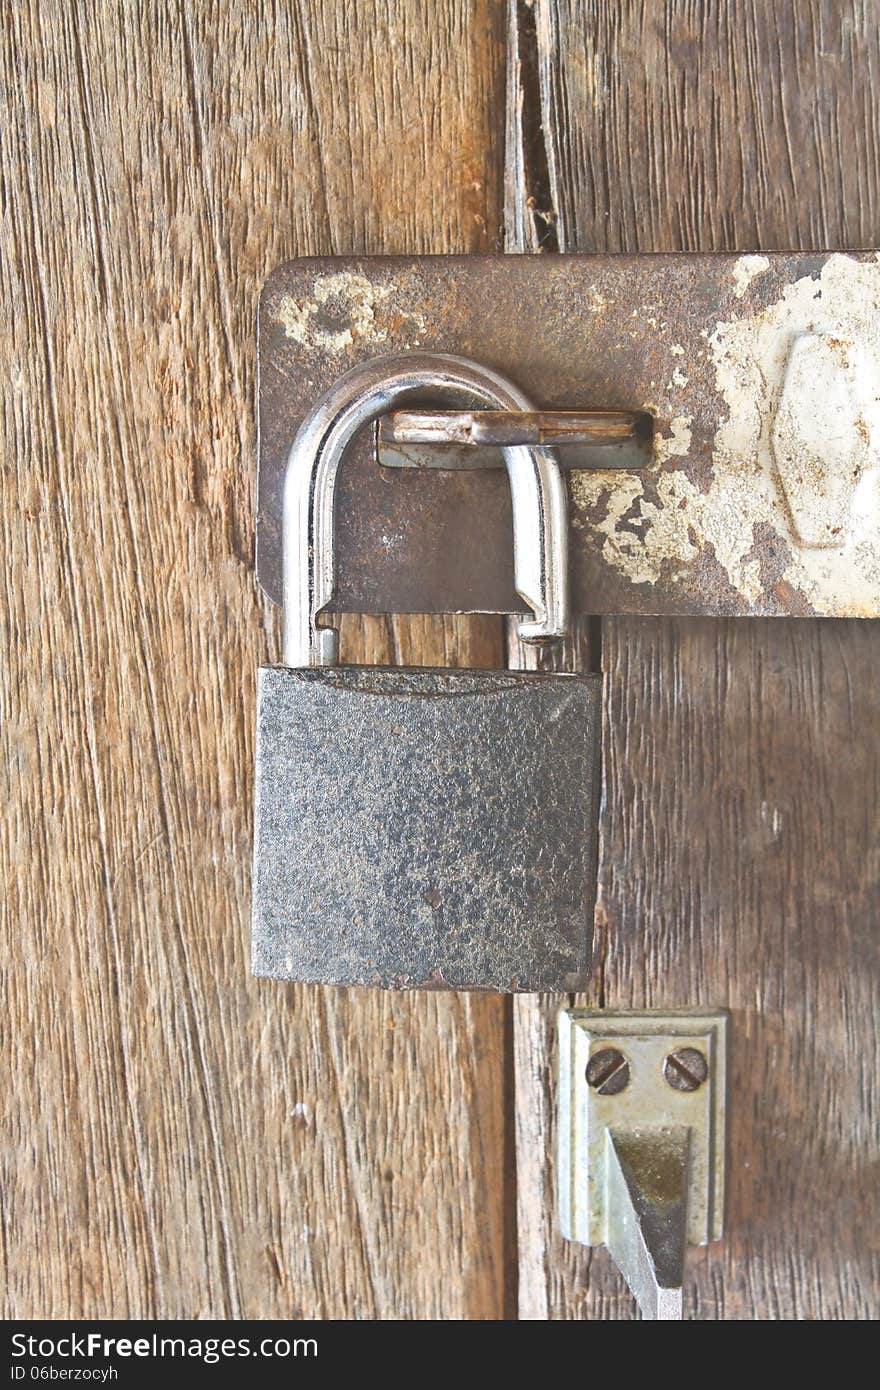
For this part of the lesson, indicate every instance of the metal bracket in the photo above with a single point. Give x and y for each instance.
(641, 1141)
(758, 493)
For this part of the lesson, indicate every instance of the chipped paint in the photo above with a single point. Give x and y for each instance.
(343, 308)
(677, 443)
(348, 310)
(656, 525)
(648, 539)
(823, 441)
(745, 271)
(751, 357)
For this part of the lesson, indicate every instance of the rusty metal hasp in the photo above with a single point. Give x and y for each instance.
(427, 828)
(717, 418)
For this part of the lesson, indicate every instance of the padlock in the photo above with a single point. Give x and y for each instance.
(422, 828)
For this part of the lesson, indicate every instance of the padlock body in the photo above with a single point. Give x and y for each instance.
(425, 828)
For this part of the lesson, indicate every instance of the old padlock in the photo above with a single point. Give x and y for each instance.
(422, 828)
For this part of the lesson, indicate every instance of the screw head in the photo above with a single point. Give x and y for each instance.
(686, 1069)
(608, 1071)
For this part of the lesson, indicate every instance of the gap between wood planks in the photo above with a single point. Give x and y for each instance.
(530, 224)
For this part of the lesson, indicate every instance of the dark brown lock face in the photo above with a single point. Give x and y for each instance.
(425, 828)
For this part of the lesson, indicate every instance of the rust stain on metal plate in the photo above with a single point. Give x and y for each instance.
(714, 524)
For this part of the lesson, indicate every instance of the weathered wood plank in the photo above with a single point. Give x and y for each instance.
(742, 771)
(693, 126)
(180, 1140)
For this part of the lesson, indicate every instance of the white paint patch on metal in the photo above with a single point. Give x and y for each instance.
(670, 520)
(751, 361)
(745, 270)
(824, 442)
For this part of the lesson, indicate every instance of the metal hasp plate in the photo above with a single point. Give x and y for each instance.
(466, 854)
(761, 494)
(641, 1141)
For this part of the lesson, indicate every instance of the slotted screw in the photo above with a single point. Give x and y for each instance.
(686, 1069)
(608, 1071)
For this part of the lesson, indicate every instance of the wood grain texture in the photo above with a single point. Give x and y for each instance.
(181, 1141)
(695, 125)
(741, 807)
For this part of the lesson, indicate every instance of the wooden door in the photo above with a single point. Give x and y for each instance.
(182, 1141)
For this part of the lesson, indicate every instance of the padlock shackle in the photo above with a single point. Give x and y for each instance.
(540, 510)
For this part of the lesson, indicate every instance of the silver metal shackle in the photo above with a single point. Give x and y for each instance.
(540, 510)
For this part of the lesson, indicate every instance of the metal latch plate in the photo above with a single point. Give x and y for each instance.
(755, 500)
(648, 1101)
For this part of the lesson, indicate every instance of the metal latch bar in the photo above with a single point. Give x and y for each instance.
(479, 429)
(469, 440)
